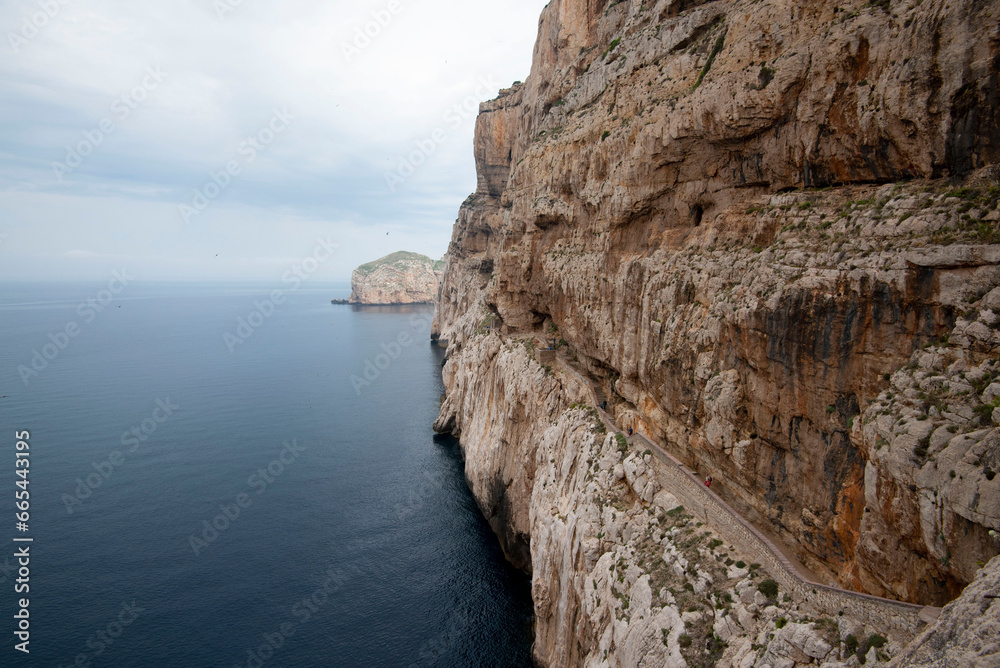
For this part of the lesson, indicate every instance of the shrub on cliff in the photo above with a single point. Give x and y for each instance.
(769, 588)
(860, 649)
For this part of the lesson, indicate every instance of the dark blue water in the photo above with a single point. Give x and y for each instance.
(204, 500)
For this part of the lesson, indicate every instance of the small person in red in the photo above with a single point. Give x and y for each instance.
(708, 481)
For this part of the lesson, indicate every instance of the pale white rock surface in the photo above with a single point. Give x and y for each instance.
(400, 278)
(968, 632)
(690, 200)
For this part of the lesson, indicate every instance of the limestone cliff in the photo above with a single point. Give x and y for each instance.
(399, 278)
(623, 574)
(968, 632)
(768, 232)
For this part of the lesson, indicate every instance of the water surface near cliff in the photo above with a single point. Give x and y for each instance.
(358, 545)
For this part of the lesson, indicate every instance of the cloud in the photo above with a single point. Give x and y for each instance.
(367, 87)
(81, 254)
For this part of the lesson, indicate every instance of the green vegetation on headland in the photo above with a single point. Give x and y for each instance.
(400, 260)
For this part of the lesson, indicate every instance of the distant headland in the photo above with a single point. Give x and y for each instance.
(399, 278)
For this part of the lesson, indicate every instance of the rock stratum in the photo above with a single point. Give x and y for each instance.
(768, 234)
(399, 278)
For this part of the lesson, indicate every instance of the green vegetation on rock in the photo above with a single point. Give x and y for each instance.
(400, 260)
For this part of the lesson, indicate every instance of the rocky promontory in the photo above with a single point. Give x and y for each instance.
(399, 278)
(767, 234)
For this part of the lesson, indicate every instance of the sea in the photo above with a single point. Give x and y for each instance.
(237, 475)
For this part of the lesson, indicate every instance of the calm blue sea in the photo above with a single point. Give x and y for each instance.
(206, 494)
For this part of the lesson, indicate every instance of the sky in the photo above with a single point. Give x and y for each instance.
(223, 139)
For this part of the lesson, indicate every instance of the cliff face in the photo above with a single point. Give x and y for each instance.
(400, 278)
(968, 632)
(622, 574)
(745, 220)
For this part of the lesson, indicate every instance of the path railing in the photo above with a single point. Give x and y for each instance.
(692, 493)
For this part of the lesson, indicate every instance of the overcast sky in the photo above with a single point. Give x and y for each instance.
(219, 139)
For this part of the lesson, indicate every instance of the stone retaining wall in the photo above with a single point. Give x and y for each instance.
(705, 504)
(702, 502)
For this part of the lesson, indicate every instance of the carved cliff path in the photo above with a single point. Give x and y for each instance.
(780, 550)
(777, 559)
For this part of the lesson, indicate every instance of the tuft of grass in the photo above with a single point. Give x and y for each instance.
(985, 413)
(614, 45)
(961, 193)
(719, 43)
(874, 640)
(769, 588)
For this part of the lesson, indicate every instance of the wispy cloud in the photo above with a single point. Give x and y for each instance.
(354, 117)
